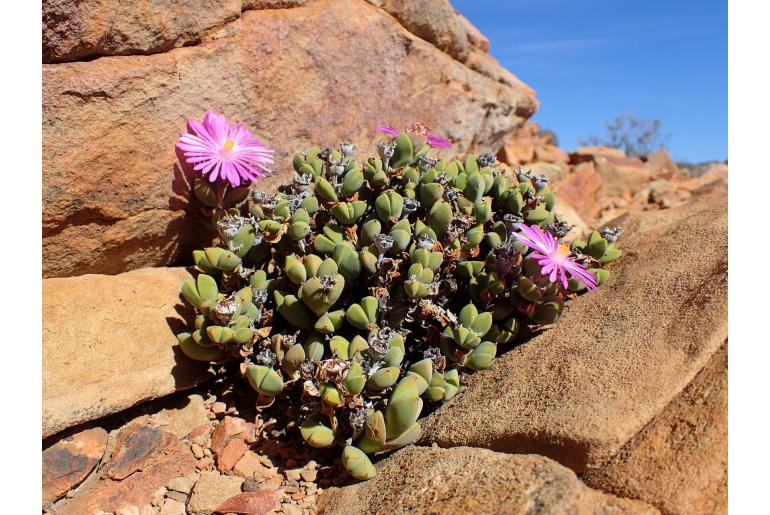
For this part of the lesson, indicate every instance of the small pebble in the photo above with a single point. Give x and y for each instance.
(309, 475)
(219, 408)
(292, 474)
(177, 496)
(251, 484)
(197, 451)
(205, 463)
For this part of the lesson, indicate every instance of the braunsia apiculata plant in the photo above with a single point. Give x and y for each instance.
(364, 289)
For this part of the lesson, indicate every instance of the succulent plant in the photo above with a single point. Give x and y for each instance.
(361, 291)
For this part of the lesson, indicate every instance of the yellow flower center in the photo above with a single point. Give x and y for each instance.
(561, 253)
(229, 144)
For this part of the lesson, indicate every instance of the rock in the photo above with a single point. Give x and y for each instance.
(108, 343)
(466, 480)
(622, 177)
(590, 153)
(475, 37)
(230, 455)
(180, 420)
(172, 507)
(135, 445)
(662, 166)
(679, 462)
(211, 491)
(551, 154)
(432, 20)
(554, 172)
(113, 199)
(90, 28)
(197, 451)
(665, 194)
(143, 462)
(580, 391)
(181, 484)
(258, 502)
(519, 147)
(229, 428)
(713, 181)
(581, 189)
(249, 465)
(219, 408)
(69, 461)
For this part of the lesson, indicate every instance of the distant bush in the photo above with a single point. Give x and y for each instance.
(634, 136)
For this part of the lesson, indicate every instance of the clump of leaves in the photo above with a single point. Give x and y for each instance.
(365, 289)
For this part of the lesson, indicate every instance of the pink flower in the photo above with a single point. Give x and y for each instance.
(420, 130)
(223, 150)
(553, 257)
(387, 130)
(438, 142)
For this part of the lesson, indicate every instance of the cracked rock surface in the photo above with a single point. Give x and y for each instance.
(321, 72)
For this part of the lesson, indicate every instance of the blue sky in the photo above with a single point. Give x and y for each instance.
(592, 60)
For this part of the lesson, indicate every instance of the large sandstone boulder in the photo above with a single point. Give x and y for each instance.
(467, 480)
(583, 389)
(679, 462)
(108, 343)
(321, 72)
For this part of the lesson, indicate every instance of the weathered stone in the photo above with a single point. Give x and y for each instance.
(172, 507)
(466, 480)
(189, 414)
(230, 455)
(229, 428)
(622, 177)
(143, 461)
(90, 28)
(211, 491)
(679, 462)
(113, 198)
(554, 172)
(108, 343)
(258, 502)
(434, 21)
(135, 445)
(519, 147)
(662, 166)
(551, 154)
(580, 189)
(579, 392)
(181, 484)
(590, 153)
(475, 37)
(69, 461)
(249, 465)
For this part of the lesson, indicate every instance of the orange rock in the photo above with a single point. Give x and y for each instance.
(228, 429)
(88, 28)
(108, 343)
(113, 199)
(580, 392)
(519, 147)
(580, 189)
(232, 452)
(153, 465)
(551, 154)
(69, 461)
(469, 480)
(662, 166)
(679, 462)
(258, 502)
(622, 176)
